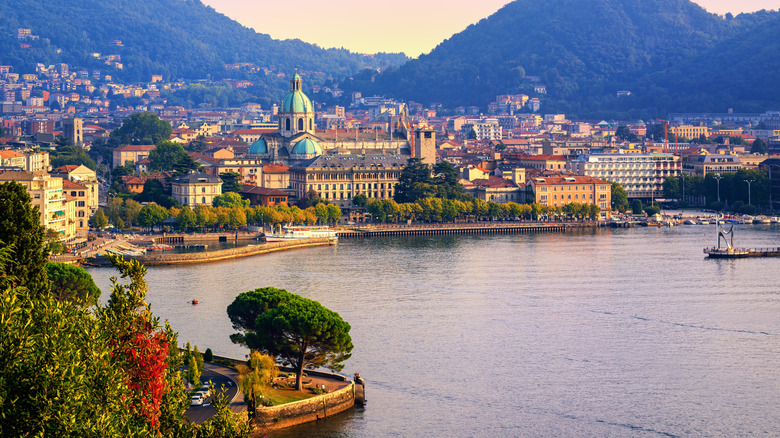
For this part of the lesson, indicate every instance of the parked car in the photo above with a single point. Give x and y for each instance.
(197, 400)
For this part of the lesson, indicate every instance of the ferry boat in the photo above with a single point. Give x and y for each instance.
(301, 232)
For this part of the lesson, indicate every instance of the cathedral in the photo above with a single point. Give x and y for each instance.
(339, 166)
(296, 140)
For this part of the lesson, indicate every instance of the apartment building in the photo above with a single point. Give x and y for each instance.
(641, 175)
(559, 190)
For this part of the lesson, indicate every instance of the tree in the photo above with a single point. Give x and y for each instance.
(334, 213)
(619, 198)
(758, 147)
(155, 192)
(131, 210)
(360, 200)
(296, 330)
(230, 200)
(171, 156)
(71, 154)
(151, 215)
(21, 229)
(193, 371)
(72, 283)
(415, 182)
(231, 182)
(636, 207)
(143, 128)
(186, 219)
(253, 380)
(99, 220)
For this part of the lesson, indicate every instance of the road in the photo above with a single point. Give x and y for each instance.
(219, 376)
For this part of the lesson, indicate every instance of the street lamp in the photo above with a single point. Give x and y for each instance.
(718, 178)
(748, 181)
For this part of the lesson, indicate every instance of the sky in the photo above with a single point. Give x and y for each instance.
(409, 26)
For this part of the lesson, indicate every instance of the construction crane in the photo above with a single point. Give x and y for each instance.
(666, 135)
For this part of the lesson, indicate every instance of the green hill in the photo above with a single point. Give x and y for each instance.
(179, 39)
(584, 51)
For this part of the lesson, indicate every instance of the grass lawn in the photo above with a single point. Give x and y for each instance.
(282, 394)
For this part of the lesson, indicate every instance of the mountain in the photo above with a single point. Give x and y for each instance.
(179, 39)
(584, 51)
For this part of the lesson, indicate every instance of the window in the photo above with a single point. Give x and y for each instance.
(287, 124)
(300, 124)
(204, 199)
(203, 190)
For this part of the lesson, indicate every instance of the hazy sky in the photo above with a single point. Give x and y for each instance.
(410, 26)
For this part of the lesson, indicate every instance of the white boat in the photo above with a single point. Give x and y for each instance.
(689, 222)
(762, 220)
(301, 232)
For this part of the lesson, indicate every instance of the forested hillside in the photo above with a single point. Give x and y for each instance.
(584, 51)
(179, 39)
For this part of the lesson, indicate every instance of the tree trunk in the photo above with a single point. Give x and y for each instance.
(299, 369)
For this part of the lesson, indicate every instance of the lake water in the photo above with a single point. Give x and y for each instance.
(603, 333)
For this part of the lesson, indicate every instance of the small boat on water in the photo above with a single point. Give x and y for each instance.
(761, 220)
(301, 232)
(690, 222)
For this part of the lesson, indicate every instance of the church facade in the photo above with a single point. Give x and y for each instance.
(339, 165)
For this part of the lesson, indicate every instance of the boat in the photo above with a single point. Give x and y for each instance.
(689, 222)
(761, 220)
(302, 232)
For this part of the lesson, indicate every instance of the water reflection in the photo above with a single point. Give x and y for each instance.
(626, 332)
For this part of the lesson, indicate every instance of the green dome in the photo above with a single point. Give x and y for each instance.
(296, 102)
(307, 146)
(258, 147)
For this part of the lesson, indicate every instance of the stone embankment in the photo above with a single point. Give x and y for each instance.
(163, 258)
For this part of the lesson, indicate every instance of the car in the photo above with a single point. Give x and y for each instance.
(197, 400)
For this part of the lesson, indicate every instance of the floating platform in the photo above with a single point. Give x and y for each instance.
(740, 253)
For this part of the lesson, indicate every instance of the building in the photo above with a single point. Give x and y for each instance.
(264, 196)
(495, 189)
(559, 190)
(482, 129)
(73, 130)
(543, 162)
(47, 194)
(132, 153)
(79, 195)
(13, 159)
(641, 175)
(772, 168)
(195, 188)
(85, 177)
(276, 176)
(688, 131)
(716, 163)
(296, 139)
(339, 178)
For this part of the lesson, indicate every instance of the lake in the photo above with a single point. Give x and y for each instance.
(624, 332)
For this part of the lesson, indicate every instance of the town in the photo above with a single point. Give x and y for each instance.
(297, 150)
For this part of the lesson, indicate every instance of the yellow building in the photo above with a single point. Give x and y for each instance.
(559, 190)
(132, 153)
(196, 188)
(339, 178)
(689, 131)
(46, 193)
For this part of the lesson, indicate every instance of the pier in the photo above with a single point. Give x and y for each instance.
(739, 253)
(450, 229)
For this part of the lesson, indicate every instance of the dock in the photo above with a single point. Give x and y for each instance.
(450, 229)
(728, 251)
(740, 253)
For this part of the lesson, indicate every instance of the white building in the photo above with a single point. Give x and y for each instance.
(641, 175)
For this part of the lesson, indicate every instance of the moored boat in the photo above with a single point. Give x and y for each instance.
(301, 232)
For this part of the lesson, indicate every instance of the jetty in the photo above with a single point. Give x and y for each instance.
(728, 251)
(450, 229)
